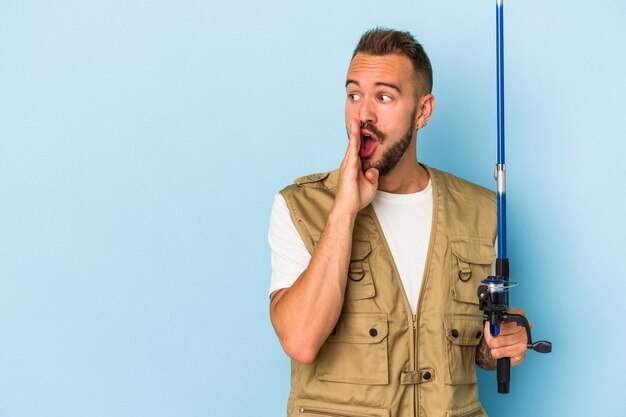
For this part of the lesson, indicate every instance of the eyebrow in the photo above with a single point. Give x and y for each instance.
(378, 84)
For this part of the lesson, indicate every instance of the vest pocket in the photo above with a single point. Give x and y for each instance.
(472, 410)
(356, 351)
(471, 263)
(322, 409)
(463, 334)
(360, 284)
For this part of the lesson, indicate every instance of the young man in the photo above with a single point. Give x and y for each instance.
(375, 266)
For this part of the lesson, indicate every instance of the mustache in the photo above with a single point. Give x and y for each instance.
(367, 125)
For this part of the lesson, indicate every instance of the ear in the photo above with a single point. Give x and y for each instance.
(425, 108)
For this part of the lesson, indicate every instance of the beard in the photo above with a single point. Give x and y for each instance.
(393, 155)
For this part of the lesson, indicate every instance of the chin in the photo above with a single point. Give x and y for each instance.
(366, 163)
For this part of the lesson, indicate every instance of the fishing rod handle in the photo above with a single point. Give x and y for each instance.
(504, 375)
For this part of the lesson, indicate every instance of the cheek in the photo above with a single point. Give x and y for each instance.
(350, 112)
(399, 120)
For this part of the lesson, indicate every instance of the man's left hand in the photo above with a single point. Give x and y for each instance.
(512, 341)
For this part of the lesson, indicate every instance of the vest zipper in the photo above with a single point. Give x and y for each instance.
(407, 305)
(426, 275)
(414, 317)
(415, 392)
(332, 413)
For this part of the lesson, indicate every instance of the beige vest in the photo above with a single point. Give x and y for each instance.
(381, 360)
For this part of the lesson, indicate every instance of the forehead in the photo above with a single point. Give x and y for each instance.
(393, 68)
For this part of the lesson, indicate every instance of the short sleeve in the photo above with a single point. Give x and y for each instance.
(289, 255)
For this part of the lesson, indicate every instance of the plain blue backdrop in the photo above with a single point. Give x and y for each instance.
(142, 143)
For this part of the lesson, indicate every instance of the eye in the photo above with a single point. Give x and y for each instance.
(354, 97)
(384, 98)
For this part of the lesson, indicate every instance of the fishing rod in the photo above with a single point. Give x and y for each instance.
(493, 295)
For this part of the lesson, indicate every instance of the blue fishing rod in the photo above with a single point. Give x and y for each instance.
(493, 295)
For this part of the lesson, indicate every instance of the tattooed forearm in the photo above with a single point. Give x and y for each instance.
(274, 294)
(483, 356)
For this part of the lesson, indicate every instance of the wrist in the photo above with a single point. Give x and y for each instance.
(340, 216)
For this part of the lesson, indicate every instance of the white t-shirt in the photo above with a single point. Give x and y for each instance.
(406, 220)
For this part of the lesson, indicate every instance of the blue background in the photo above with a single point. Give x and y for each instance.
(141, 145)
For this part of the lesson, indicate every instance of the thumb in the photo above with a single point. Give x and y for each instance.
(487, 333)
(372, 176)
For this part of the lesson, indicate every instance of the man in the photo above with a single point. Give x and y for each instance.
(375, 266)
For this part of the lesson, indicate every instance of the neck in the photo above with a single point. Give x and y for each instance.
(408, 176)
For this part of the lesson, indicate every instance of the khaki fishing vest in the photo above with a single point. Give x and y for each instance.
(381, 360)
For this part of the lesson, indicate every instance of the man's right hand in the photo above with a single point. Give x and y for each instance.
(305, 314)
(356, 189)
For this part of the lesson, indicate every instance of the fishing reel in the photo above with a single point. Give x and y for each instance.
(493, 300)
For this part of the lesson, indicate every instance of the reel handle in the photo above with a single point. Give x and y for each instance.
(494, 304)
(541, 346)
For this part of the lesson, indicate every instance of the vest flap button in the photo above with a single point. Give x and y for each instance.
(426, 375)
(455, 333)
(373, 332)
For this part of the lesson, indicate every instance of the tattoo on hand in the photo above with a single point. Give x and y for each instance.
(483, 356)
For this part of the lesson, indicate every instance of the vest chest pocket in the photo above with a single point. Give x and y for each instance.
(360, 284)
(356, 351)
(471, 263)
(463, 334)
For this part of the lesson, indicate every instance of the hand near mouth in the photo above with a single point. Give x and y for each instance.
(356, 189)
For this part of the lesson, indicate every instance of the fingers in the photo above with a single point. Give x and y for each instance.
(511, 328)
(350, 166)
(371, 175)
(356, 188)
(355, 135)
(511, 339)
(517, 357)
(354, 139)
(348, 195)
(516, 360)
(515, 351)
(511, 342)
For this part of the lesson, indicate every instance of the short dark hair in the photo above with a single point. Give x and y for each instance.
(383, 41)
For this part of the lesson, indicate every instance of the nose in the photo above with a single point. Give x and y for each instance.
(366, 112)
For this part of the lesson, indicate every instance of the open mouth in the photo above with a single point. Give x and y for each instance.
(369, 143)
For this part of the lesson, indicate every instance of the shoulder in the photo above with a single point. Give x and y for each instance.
(325, 180)
(308, 201)
(312, 186)
(460, 187)
(470, 210)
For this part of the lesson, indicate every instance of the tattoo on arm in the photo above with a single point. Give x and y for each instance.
(274, 294)
(483, 356)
